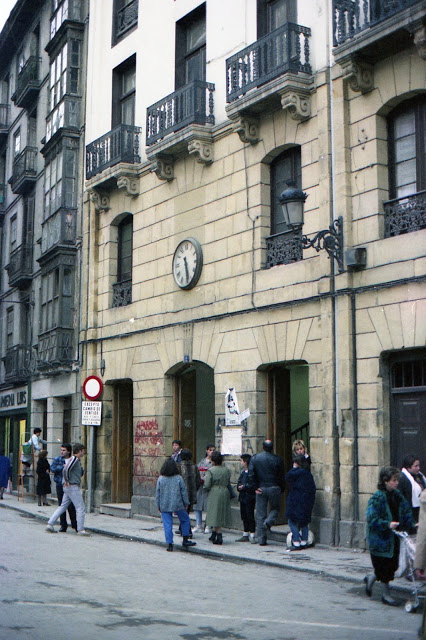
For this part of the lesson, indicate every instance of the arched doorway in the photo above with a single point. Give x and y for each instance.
(287, 408)
(194, 407)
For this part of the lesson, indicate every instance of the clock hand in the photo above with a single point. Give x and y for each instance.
(186, 269)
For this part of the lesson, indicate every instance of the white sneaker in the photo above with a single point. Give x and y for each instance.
(196, 529)
(50, 529)
(83, 533)
(252, 538)
(207, 530)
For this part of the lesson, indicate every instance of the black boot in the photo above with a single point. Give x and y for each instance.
(188, 543)
(219, 539)
(213, 537)
(170, 547)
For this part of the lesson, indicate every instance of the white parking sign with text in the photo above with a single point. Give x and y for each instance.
(91, 413)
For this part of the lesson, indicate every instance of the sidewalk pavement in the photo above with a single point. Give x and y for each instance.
(350, 565)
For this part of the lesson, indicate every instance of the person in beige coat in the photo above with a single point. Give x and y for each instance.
(420, 559)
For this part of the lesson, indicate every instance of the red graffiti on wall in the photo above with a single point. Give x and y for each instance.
(149, 439)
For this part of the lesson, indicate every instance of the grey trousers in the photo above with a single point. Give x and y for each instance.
(270, 496)
(72, 493)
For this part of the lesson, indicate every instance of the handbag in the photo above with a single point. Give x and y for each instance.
(232, 493)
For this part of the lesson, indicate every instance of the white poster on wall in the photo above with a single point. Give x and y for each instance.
(232, 412)
(231, 441)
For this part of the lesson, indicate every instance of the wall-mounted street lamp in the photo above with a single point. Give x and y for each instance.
(292, 201)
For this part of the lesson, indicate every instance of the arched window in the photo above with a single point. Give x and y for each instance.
(407, 168)
(283, 246)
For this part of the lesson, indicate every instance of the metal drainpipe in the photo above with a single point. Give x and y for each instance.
(336, 407)
(89, 499)
(355, 409)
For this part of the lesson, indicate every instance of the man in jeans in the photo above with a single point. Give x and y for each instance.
(57, 468)
(266, 476)
(72, 491)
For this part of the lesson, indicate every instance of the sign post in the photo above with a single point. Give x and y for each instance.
(91, 412)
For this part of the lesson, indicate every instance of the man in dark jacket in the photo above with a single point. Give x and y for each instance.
(266, 475)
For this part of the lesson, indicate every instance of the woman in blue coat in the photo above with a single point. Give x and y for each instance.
(300, 502)
(387, 511)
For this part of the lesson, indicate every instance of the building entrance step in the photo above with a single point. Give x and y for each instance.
(117, 509)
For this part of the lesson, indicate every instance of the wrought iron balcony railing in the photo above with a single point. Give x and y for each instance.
(119, 145)
(4, 119)
(192, 104)
(28, 82)
(24, 172)
(66, 114)
(68, 10)
(59, 229)
(55, 347)
(285, 49)
(126, 18)
(20, 265)
(122, 293)
(284, 248)
(350, 17)
(17, 362)
(406, 214)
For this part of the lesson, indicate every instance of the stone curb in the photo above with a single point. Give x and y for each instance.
(216, 554)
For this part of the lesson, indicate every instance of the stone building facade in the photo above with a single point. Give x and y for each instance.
(42, 85)
(193, 282)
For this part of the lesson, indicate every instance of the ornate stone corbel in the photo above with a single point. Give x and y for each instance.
(100, 200)
(419, 40)
(129, 185)
(247, 128)
(358, 74)
(297, 103)
(163, 168)
(202, 150)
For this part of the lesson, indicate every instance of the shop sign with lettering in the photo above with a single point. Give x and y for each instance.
(14, 399)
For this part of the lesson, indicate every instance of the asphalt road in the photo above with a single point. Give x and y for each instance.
(61, 586)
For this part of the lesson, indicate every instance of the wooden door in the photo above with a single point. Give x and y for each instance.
(408, 430)
(122, 444)
(279, 424)
(186, 390)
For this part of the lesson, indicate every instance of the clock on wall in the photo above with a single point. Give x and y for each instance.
(187, 263)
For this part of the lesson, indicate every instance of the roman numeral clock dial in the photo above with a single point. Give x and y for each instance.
(187, 263)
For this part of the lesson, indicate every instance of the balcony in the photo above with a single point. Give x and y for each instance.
(273, 72)
(284, 248)
(68, 11)
(406, 214)
(20, 266)
(24, 171)
(28, 83)
(2, 199)
(117, 146)
(4, 120)
(122, 293)
(370, 30)
(17, 363)
(179, 124)
(55, 348)
(125, 20)
(66, 115)
(58, 232)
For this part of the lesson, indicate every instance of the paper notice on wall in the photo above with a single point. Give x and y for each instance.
(244, 414)
(231, 441)
(232, 412)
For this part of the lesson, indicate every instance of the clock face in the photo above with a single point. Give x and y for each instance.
(187, 263)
